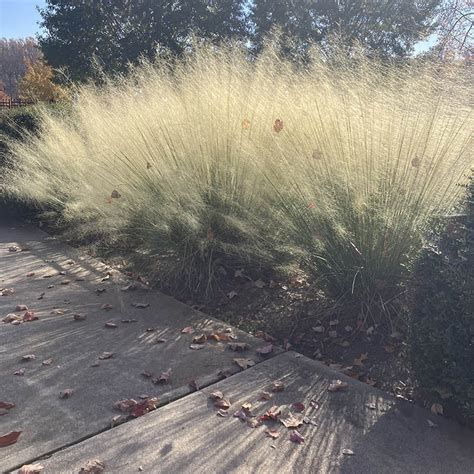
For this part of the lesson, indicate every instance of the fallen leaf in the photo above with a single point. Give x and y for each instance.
(296, 437)
(196, 347)
(7, 405)
(222, 403)
(14, 248)
(129, 287)
(7, 291)
(144, 407)
(245, 124)
(194, 384)
(19, 372)
(337, 386)
(65, 282)
(30, 469)
(278, 126)
(232, 294)
(217, 395)
(265, 396)
(106, 307)
(163, 377)
(238, 346)
(348, 452)
(110, 324)
(201, 339)
(140, 305)
(28, 357)
(118, 420)
(253, 422)
(47, 362)
(187, 330)
(318, 329)
(241, 415)
(265, 349)
(277, 386)
(11, 317)
(222, 413)
(259, 284)
(115, 194)
(291, 421)
(437, 409)
(147, 374)
(106, 278)
(126, 405)
(298, 406)
(66, 393)
(30, 274)
(431, 424)
(369, 381)
(79, 317)
(100, 290)
(126, 321)
(30, 316)
(244, 363)
(9, 438)
(271, 414)
(360, 361)
(388, 348)
(58, 311)
(272, 433)
(221, 337)
(309, 421)
(106, 355)
(21, 307)
(93, 467)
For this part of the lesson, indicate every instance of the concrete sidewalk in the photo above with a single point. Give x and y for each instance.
(185, 433)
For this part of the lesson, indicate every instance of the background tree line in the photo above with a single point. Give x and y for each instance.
(78, 33)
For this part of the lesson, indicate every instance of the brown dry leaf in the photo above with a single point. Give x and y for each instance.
(348, 452)
(437, 409)
(66, 393)
(19, 372)
(238, 346)
(369, 381)
(7, 291)
(241, 415)
(144, 407)
(117, 420)
(298, 406)
(79, 317)
(222, 403)
(163, 377)
(245, 124)
(115, 194)
(194, 384)
(271, 414)
(21, 307)
(222, 413)
(47, 362)
(253, 422)
(14, 248)
(30, 469)
(28, 357)
(265, 349)
(274, 434)
(146, 374)
(110, 324)
(265, 396)
(93, 467)
(148, 165)
(221, 337)
(277, 386)
(296, 437)
(30, 274)
(291, 421)
(278, 126)
(65, 282)
(30, 316)
(106, 307)
(217, 395)
(244, 363)
(201, 339)
(10, 318)
(106, 355)
(6, 405)
(187, 330)
(360, 361)
(9, 438)
(337, 386)
(58, 311)
(126, 405)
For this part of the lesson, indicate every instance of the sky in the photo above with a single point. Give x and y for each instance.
(20, 18)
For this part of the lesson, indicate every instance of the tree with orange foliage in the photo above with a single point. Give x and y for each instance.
(37, 84)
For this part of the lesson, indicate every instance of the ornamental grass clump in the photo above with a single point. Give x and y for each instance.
(212, 162)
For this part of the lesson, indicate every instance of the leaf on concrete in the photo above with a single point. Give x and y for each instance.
(222, 403)
(58, 311)
(216, 395)
(437, 409)
(291, 421)
(28, 357)
(238, 346)
(274, 434)
(110, 325)
(337, 386)
(265, 396)
(65, 282)
(278, 386)
(259, 284)
(201, 339)
(265, 349)
(21, 307)
(66, 393)
(11, 317)
(144, 407)
(93, 467)
(30, 469)
(187, 330)
(47, 362)
(298, 406)
(222, 413)
(221, 337)
(9, 438)
(196, 347)
(6, 405)
(30, 316)
(163, 377)
(271, 414)
(232, 294)
(117, 420)
(296, 437)
(253, 422)
(140, 305)
(126, 405)
(79, 317)
(244, 363)
(129, 287)
(30, 274)
(19, 372)
(146, 374)
(106, 355)
(7, 291)
(348, 452)
(106, 307)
